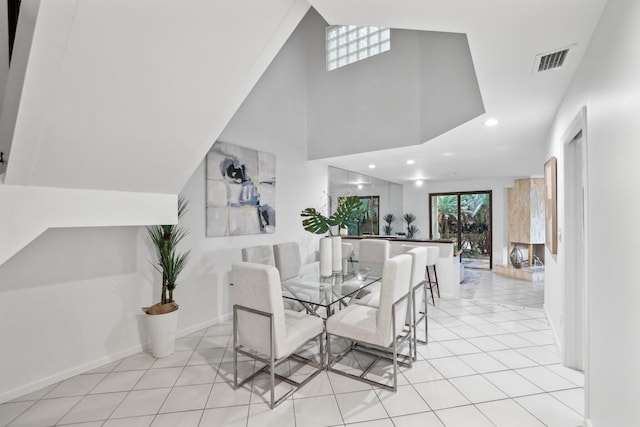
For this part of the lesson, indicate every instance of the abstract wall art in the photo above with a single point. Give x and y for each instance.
(241, 191)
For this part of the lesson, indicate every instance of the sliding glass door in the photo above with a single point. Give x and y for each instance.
(464, 218)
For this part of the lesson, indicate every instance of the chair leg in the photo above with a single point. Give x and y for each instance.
(426, 334)
(321, 340)
(235, 348)
(414, 325)
(272, 363)
(435, 273)
(433, 301)
(424, 316)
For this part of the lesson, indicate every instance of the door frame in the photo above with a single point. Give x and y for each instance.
(459, 194)
(576, 295)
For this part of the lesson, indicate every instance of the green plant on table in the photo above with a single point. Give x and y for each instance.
(349, 211)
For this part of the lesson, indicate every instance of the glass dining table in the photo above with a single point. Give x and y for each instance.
(321, 296)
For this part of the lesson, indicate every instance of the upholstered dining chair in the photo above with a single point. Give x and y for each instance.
(287, 259)
(418, 310)
(259, 255)
(418, 294)
(373, 251)
(377, 330)
(266, 255)
(264, 331)
(289, 263)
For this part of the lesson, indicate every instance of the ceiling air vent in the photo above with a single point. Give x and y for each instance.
(551, 61)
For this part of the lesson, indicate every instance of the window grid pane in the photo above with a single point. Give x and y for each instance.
(348, 44)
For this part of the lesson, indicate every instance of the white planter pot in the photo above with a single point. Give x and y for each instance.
(326, 263)
(162, 333)
(336, 254)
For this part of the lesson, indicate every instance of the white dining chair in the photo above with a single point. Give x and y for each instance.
(377, 329)
(265, 255)
(418, 294)
(259, 255)
(373, 251)
(287, 259)
(264, 331)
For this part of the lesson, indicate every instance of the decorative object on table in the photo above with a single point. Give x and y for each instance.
(348, 212)
(347, 253)
(516, 257)
(162, 319)
(389, 219)
(326, 262)
(412, 230)
(336, 254)
(241, 191)
(551, 205)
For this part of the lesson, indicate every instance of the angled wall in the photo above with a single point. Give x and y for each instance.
(75, 294)
(125, 96)
(424, 86)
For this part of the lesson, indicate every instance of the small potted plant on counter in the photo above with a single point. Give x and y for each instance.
(412, 230)
(389, 219)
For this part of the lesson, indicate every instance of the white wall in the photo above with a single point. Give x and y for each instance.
(608, 84)
(71, 299)
(424, 86)
(416, 201)
(272, 119)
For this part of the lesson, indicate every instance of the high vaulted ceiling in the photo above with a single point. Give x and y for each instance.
(504, 38)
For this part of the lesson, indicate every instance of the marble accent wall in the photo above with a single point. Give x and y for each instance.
(526, 211)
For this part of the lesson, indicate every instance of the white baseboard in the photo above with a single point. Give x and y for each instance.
(202, 325)
(60, 376)
(556, 339)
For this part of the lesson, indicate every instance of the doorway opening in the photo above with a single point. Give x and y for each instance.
(464, 218)
(575, 276)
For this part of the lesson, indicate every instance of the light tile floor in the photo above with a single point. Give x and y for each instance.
(484, 286)
(489, 362)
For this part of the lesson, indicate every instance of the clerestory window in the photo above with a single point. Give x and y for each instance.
(347, 44)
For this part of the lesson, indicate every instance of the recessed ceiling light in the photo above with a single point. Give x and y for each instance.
(410, 162)
(372, 166)
(490, 122)
(359, 186)
(418, 183)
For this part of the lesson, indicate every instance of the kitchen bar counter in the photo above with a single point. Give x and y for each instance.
(448, 264)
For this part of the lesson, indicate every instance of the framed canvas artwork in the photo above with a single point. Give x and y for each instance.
(241, 191)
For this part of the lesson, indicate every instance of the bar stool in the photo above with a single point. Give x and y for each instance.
(433, 253)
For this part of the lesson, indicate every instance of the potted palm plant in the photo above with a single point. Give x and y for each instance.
(389, 219)
(162, 318)
(412, 230)
(350, 210)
